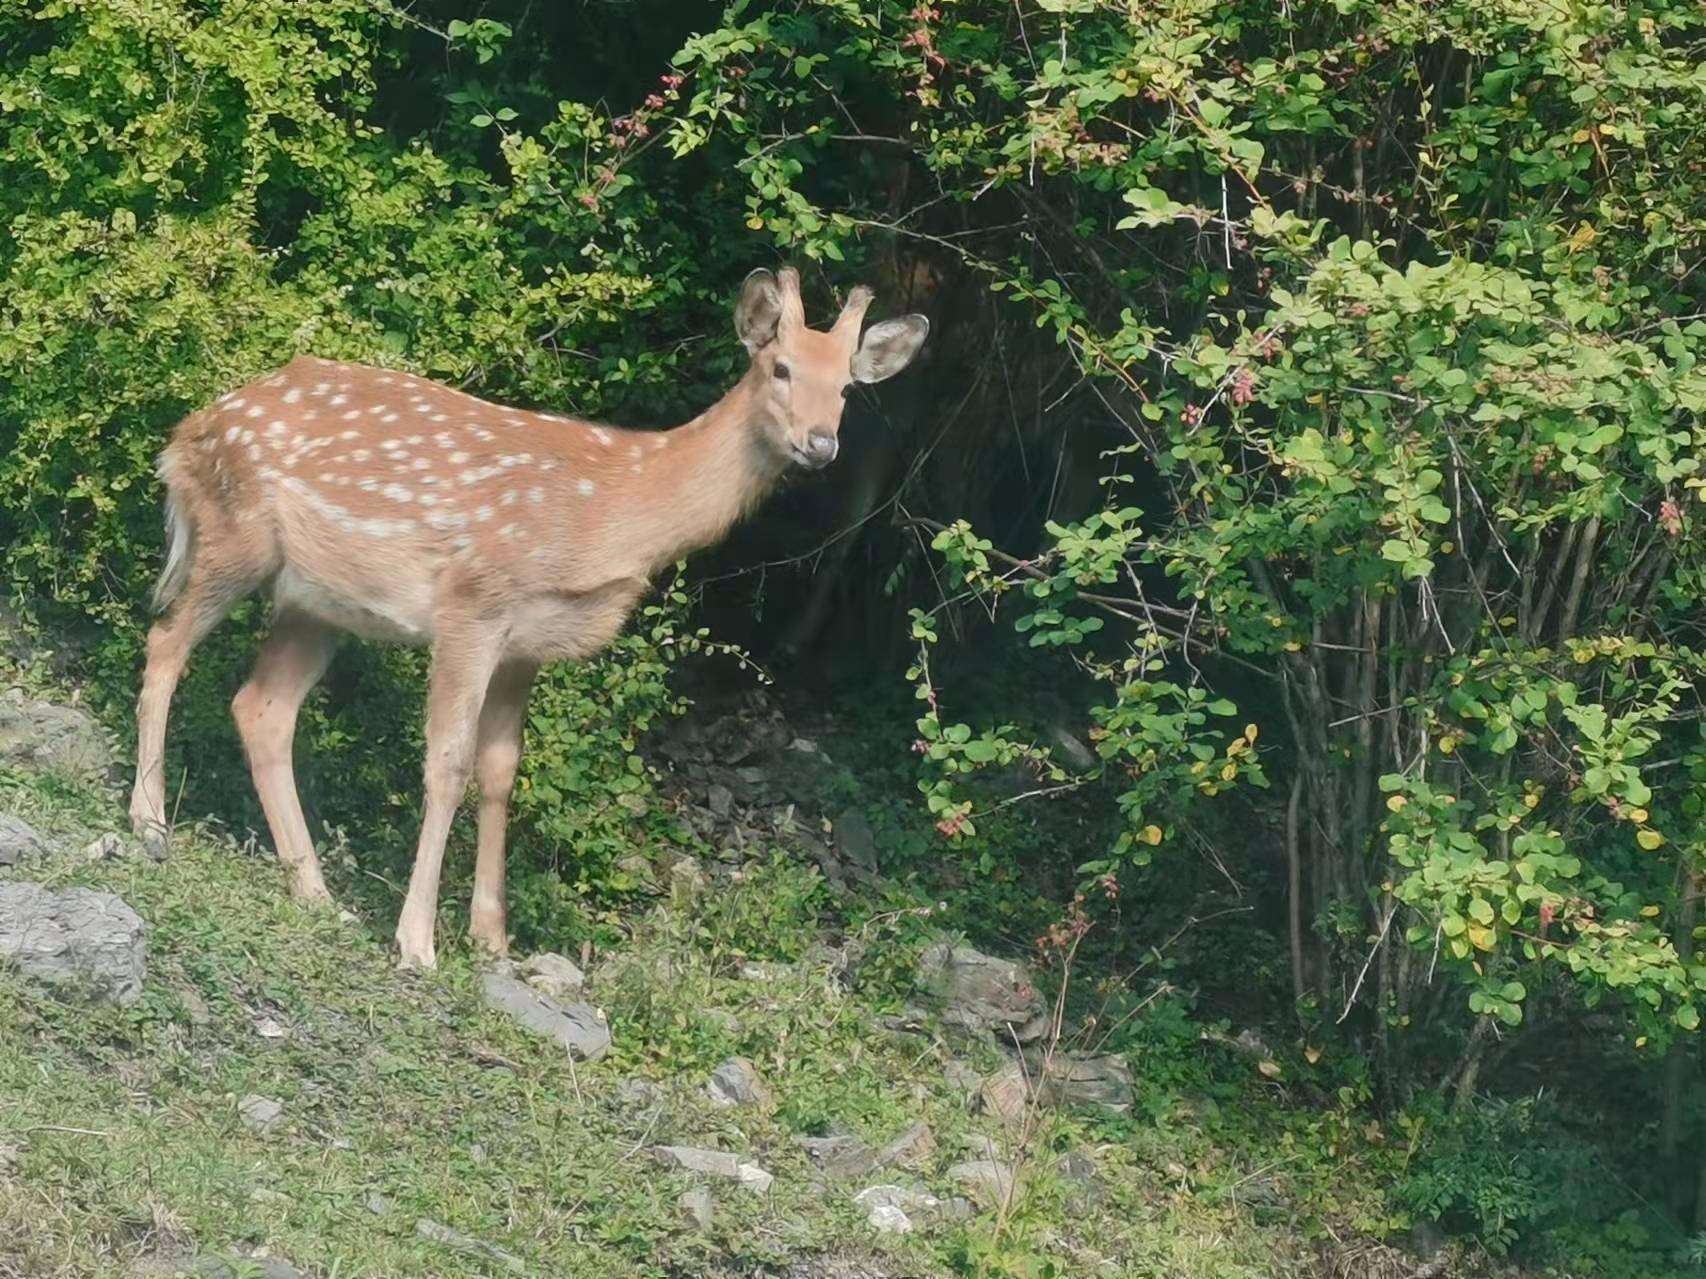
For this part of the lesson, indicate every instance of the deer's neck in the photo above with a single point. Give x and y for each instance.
(711, 472)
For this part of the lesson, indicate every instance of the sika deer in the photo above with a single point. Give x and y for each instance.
(391, 507)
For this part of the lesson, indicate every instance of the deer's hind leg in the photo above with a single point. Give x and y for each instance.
(497, 755)
(291, 661)
(200, 590)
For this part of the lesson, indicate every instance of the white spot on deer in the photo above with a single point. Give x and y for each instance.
(390, 446)
(293, 395)
(536, 495)
(397, 493)
(637, 467)
(483, 514)
(349, 435)
(414, 439)
(420, 464)
(602, 436)
(311, 415)
(267, 473)
(326, 477)
(441, 417)
(231, 434)
(485, 437)
(635, 451)
(254, 452)
(508, 499)
(320, 388)
(276, 379)
(369, 485)
(421, 406)
(254, 410)
(431, 479)
(352, 414)
(247, 437)
(509, 532)
(585, 488)
(387, 380)
(338, 401)
(445, 440)
(389, 417)
(235, 404)
(276, 429)
(548, 466)
(660, 440)
(458, 457)
(447, 520)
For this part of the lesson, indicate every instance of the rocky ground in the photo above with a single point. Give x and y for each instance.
(198, 1077)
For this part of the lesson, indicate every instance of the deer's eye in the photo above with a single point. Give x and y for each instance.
(781, 372)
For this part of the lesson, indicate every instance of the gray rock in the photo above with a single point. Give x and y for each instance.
(455, 1240)
(579, 1028)
(839, 1156)
(886, 1219)
(988, 1179)
(52, 738)
(1068, 1080)
(553, 975)
(696, 1207)
(911, 1149)
(1007, 1093)
(73, 938)
(19, 842)
(639, 1094)
(719, 799)
(378, 1205)
(855, 840)
(736, 1082)
(259, 1113)
(104, 848)
(978, 991)
(714, 1163)
(916, 1205)
(962, 1078)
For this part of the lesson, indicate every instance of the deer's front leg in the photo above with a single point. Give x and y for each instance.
(497, 756)
(463, 660)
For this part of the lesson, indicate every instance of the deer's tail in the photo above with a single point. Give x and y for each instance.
(180, 543)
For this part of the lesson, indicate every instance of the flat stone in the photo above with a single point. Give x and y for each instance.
(19, 842)
(988, 1179)
(455, 1240)
(74, 939)
(378, 1204)
(736, 1082)
(978, 991)
(855, 840)
(719, 799)
(714, 1163)
(696, 1207)
(259, 1113)
(52, 738)
(886, 1219)
(1006, 1094)
(910, 1149)
(839, 1156)
(553, 975)
(104, 848)
(579, 1028)
(1103, 1081)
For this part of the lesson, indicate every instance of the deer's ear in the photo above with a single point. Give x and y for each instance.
(888, 347)
(759, 309)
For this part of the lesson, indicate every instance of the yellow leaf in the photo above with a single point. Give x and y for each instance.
(1649, 912)
(1637, 815)
(1270, 1068)
(1447, 745)
(1151, 835)
(1395, 802)
(1292, 646)
(1480, 938)
(1312, 1055)
(1649, 839)
(755, 223)
(1641, 1042)
(1229, 772)
(1250, 731)
(1531, 799)
(1580, 135)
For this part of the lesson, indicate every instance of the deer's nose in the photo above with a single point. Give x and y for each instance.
(821, 448)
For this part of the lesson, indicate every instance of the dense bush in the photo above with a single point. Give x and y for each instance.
(1315, 389)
